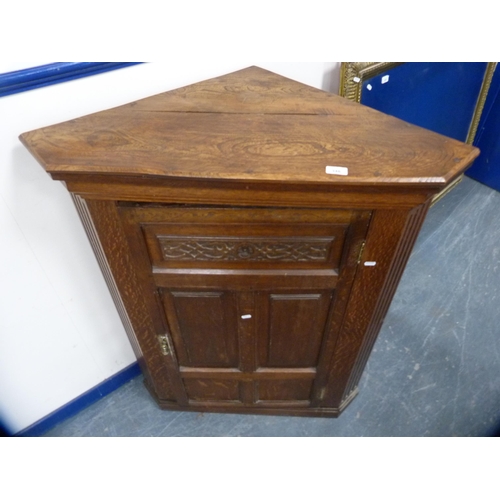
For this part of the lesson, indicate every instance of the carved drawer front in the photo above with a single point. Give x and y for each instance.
(243, 238)
(244, 248)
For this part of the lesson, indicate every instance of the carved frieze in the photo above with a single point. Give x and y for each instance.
(245, 249)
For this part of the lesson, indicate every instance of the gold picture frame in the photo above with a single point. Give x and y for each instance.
(353, 74)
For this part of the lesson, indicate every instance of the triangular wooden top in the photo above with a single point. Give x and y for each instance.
(251, 125)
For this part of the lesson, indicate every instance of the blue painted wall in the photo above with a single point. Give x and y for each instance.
(437, 96)
(486, 168)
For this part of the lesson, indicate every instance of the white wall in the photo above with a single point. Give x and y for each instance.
(60, 334)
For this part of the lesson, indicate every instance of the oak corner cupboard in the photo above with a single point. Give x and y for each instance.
(252, 231)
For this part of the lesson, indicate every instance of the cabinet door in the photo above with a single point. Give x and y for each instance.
(248, 300)
(248, 348)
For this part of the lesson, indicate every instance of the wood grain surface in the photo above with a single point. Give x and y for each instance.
(250, 125)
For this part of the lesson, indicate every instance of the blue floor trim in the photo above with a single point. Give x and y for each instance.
(78, 404)
(49, 74)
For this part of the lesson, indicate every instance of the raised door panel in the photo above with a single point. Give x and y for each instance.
(291, 328)
(203, 327)
(298, 390)
(206, 390)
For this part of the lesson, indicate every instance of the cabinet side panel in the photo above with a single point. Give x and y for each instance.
(412, 228)
(389, 242)
(349, 265)
(88, 224)
(108, 231)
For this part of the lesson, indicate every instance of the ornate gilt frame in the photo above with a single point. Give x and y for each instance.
(483, 93)
(352, 75)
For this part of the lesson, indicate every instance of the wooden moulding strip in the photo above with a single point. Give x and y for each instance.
(259, 374)
(243, 194)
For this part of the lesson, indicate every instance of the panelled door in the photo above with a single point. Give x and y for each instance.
(248, 301)
(257, 348)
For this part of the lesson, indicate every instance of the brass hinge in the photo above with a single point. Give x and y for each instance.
(166, 348)
(361, 250)
(322, 393)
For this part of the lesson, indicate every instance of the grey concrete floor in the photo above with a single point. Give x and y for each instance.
(434, 370)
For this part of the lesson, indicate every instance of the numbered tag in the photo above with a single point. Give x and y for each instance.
(337, 170)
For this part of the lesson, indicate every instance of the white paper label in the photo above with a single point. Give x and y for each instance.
(337, 170)
(370, 263)
(246, 316)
